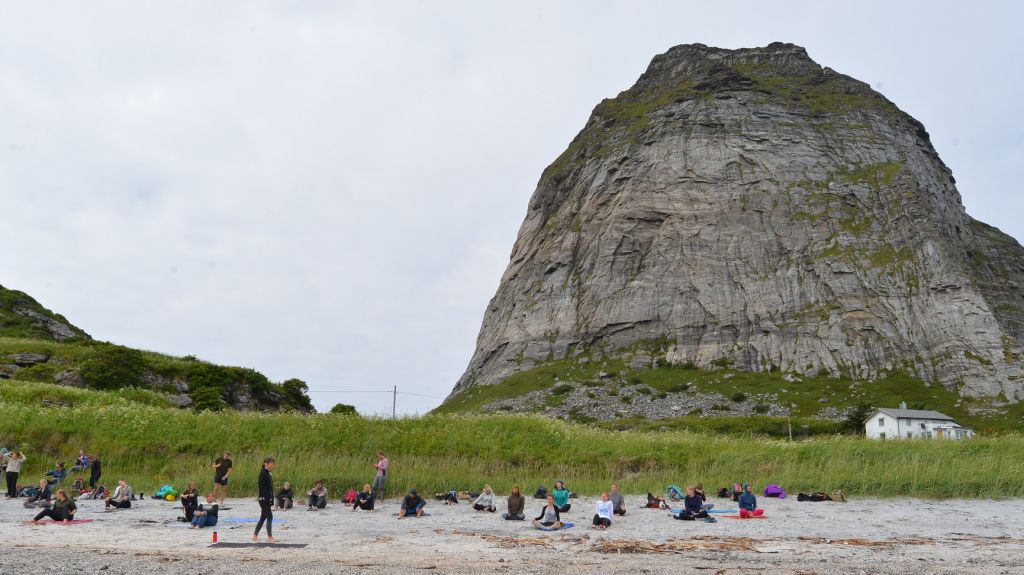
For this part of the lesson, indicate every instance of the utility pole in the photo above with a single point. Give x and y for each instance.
(789, 421)
(394, 398)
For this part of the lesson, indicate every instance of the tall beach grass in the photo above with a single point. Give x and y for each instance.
(151, 446)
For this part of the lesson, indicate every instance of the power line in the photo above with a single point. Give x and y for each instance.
(371, 391)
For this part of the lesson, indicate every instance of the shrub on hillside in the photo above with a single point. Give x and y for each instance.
(113, 367)
(342, 408)
(738, 397)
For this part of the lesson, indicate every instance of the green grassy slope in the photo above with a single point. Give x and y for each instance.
(803, 395)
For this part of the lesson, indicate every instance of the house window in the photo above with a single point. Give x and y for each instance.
(881, 422)
(910, 434)
(881, 436)
(922, 426)
(927, 435)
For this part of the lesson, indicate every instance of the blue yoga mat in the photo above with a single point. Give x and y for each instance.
(564, 526)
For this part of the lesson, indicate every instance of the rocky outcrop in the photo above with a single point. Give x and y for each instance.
(751, 208)
(22, 316)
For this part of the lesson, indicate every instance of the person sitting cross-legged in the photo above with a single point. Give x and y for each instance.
(748, 503)
(364, 499)
(693, 506)
(485, 502)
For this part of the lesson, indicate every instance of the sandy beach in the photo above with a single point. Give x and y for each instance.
(861, 536)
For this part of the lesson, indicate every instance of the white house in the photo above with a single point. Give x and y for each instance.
(906, 423)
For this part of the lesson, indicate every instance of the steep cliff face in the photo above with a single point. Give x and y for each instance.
(750, 208)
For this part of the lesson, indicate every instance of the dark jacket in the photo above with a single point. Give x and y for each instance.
(748, 501)
(516, 504)
(692, 504)
(266, 486)
(413, 501)
(95, 469)
(285, 494)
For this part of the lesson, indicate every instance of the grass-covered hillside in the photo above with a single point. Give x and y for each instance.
(612, 391)
(151, 445)
(40, 346)
(23, 316)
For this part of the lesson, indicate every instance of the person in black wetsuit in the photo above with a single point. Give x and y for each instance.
(266, 500)
(95, 472)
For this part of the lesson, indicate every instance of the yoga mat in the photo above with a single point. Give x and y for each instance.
(72, 522)
(677, 511)
(564, 526)
(424, 514)
(249, 520)
(241, 545)
(752, 517)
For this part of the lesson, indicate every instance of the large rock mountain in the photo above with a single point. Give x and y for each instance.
(753, 209)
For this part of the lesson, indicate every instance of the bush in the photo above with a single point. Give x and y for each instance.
(679, 388)
(113, 367)
(738, 397)
(722, 362)
(688, 366)
(761, 408)
(342, 408)
(295, 390)
(644, 391)
(719, 407)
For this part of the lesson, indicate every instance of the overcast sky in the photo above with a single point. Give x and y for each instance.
(331, 190)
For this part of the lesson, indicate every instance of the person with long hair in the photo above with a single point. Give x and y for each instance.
(380, 480)
(14, 461)
(266, 501)
(63, 509)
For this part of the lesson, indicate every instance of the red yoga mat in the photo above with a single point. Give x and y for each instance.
(72, 522)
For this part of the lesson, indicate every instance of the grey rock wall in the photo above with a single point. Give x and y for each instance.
(751, 207)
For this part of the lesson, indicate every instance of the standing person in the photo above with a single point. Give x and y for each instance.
(603, 512)
(364, 499)
(381, 479)
(266, 500)
(14, 461)
(516, 505)
(485, 502)
(63, 509)
(122, 497)
(95, 472)
(549, 517)
(221, 471)
(190, 501)
(618, 501)
(561, 495)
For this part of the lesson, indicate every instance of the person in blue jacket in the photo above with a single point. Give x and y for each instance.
(748, 503)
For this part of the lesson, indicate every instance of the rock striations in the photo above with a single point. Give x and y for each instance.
(750, 208)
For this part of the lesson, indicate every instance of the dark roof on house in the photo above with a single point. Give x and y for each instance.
(911, 414)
